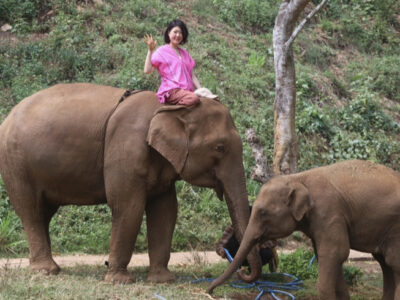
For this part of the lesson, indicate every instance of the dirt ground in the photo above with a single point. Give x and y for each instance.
(181, 258)
(361, 260)
(367, 266)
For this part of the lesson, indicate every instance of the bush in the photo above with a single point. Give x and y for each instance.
(365, 23)
(297, 264)
(248, 14)
(11, 239)
(352, 274)
(27, 10)
(311, 119)
(81, 229)
(385, 74)
(363, 114)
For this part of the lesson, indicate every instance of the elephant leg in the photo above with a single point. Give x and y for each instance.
(329, 271)
(342, 292)
(332, 254)
(127, 215)
(388, 278)
(35, 215)
(397, 286)
(390, 264)
(161, 215)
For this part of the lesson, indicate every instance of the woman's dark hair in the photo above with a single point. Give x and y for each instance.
(182, 26)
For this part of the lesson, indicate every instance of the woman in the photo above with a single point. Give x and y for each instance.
(175, 66)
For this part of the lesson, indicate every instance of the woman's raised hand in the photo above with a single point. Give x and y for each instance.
(151, 43)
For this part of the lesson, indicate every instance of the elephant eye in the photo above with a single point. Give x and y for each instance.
(220, 148)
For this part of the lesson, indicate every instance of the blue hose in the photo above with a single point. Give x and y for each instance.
(266, 287)
(270, 287)
(159, 297)
(311, 262)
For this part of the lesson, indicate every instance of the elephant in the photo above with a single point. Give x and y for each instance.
(352, 204)
(88, 144)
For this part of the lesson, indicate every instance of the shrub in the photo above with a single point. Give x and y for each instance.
(297, 264)
(248, 14)
(27, 10)
(363, 114)
(385, 74)
(318, 55)
(11, 239)
(311, 119)
(352, 274)
(81, 229)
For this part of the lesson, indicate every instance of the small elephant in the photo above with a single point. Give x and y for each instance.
(348, 205)
(86, 144)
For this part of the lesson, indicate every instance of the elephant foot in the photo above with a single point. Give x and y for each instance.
(47, 267)
(120, 277)
(161, 276)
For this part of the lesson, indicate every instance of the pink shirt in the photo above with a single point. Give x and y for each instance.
(175, 72)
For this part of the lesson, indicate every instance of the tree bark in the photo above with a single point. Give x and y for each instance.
(285, 140)
(261, 171)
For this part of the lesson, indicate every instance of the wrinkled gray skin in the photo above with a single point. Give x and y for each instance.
(66, 145)
(348, 205)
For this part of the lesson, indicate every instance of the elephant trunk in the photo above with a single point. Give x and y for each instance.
(238, 205)
(246, 246)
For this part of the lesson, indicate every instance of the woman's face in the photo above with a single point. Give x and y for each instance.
(175, 36)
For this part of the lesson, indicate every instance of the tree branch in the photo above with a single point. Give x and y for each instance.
(289, 42)
(261, 172)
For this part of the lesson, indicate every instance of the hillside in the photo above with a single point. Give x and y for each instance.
(348, 86)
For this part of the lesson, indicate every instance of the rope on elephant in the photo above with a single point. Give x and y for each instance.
(125, 95)
(265, 286)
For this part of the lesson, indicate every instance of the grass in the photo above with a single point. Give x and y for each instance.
(86, 282)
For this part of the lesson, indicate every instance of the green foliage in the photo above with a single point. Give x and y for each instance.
(352, 274)
(364, 114)
(202, 218)
(365, 23)
(313, 120)
(297, 264)
(248, 14)
(319, 55)
(22, 10)
(81, 229)
(11, 239)
(384, 75)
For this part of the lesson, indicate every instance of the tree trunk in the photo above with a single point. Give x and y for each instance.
(285, 140)
(261, 171)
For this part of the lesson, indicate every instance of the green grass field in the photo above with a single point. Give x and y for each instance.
(86, 282)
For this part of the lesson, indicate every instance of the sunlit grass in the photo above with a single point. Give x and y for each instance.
(86, 282)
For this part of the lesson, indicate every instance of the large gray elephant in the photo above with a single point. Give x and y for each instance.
(349, 205)
(78, 144)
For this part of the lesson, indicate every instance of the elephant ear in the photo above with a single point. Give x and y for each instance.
(168, 134)
(298, 201)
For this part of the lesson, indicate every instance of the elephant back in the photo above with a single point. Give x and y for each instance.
(59, 130)
(74, 106)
